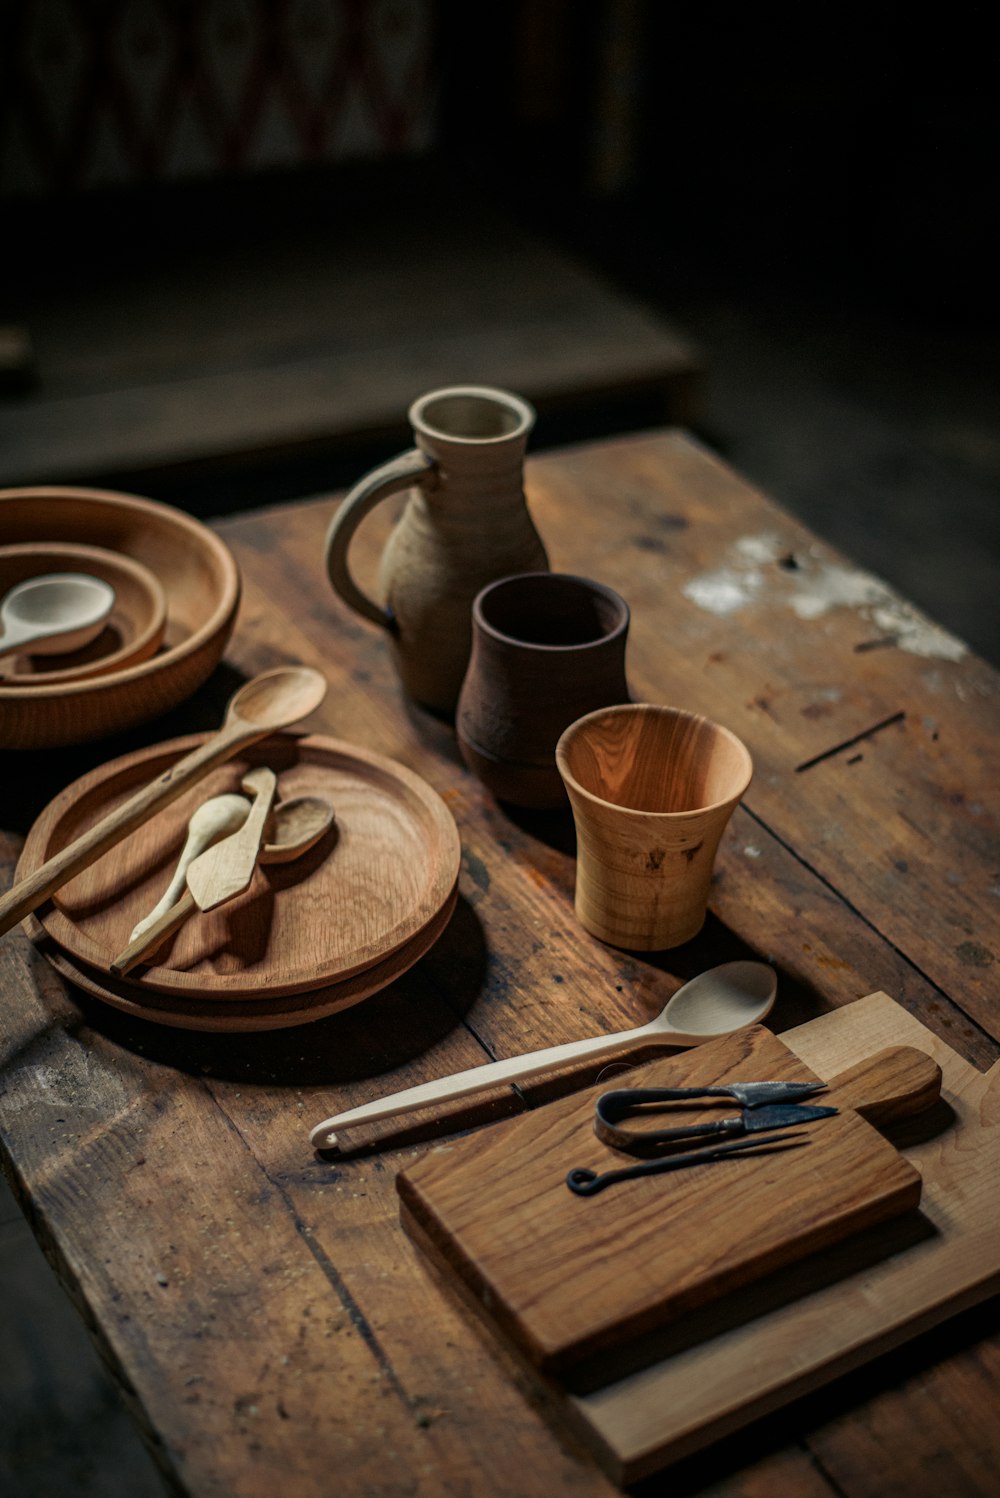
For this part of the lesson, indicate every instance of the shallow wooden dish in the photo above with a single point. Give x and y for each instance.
(201, 582)
(239, 1015)
(352, 901)
(132, 633)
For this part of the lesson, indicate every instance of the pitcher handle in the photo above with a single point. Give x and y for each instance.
(412, 467)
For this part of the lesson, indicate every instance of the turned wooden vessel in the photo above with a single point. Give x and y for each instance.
(465, 524)
(132, 633)
(547, 648)
(652, 789)
(199, 579)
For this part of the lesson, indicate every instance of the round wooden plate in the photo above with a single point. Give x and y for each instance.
(356, 898)
(236, 1015)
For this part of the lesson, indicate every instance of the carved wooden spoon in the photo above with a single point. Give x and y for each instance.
(295, 827)
(715, 1003)
(212, 820)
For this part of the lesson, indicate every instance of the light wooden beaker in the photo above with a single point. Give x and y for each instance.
(652, 789)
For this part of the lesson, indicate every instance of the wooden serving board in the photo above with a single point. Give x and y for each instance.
(571, 1279)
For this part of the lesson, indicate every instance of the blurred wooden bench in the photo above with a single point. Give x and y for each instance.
(313, 341)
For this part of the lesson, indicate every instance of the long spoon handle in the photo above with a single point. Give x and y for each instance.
(29, 893)
(154, 935)
(492, 1074)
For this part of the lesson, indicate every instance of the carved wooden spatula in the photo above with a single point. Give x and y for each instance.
(227, 868)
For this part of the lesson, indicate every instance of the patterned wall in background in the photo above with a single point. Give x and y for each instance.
(95, 92)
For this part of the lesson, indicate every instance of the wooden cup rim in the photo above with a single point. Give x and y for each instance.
(645, 709)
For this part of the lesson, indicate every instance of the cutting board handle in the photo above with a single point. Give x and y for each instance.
(894, 1083)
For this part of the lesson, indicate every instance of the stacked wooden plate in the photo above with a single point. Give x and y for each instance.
(176, 594)
(308, 938)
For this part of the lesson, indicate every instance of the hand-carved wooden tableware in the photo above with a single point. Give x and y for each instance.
(214, 819)
(132, 632)
(652, 789)
(201, 583)
(293, 828)
(262, 705)
(228, 1013)
(334, 913)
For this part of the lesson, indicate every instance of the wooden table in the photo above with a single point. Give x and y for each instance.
(272, 1326)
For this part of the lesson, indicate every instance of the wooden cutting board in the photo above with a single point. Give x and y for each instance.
(571, 1279)
(875, 1291)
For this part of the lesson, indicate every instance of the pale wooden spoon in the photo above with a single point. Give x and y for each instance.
(212, 820)
(295, 827)
(715, 1003)
(268, 702)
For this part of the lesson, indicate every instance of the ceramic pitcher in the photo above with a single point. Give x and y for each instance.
(465, 524)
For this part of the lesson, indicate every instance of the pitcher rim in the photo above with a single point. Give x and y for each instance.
(522, 409)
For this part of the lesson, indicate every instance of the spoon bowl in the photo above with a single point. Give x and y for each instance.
(277, 698)
(214, 819)
(55, 613)
(295, 827)
(717, 1002)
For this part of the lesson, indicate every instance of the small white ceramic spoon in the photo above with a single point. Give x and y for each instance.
(213, 820)
(715, 1003)
(55, 613)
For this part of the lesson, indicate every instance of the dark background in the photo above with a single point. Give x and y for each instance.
(811, 204)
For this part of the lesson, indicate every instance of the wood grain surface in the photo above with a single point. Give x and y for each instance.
(570, 1278)
(652, 789)
(299, 1339)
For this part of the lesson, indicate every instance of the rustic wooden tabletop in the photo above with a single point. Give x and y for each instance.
(272, 1325)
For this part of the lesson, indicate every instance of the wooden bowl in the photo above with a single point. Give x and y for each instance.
(201, 584)
(132, 633)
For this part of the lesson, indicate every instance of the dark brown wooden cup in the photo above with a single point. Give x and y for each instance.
(547, 648)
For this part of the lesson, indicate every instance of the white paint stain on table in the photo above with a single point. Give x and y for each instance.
(725, 591)
(70, 1085)
(810, 586)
